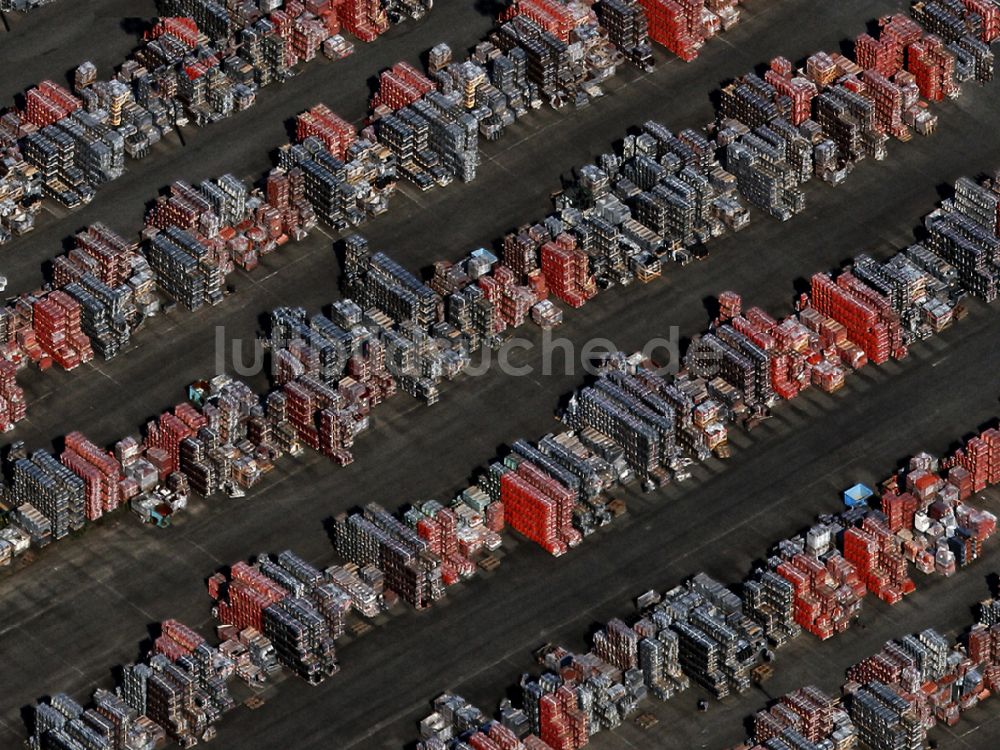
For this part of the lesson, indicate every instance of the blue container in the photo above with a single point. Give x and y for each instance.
(857, 496)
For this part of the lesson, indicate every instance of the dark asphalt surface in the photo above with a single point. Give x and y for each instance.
(51, 41)
(85, 605)
(243, 144)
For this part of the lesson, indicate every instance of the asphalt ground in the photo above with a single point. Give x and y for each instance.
(51, 41)
(85, 605)
(877, 208)
(243, 144)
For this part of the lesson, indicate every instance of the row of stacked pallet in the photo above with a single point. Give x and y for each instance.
(674, 420)
(964, 234)
(386, 558)
(433, 139)
(180, 691)
(828, 590)
(324, 401)
(103, 288)
(704, 633)
(415, 555)
(113, 283)
(769, 144)
(871, 311)
(331, 372)
(780, 130)
(72, 150)
(683, 26)
(328, 381)
(153, 475)
(341, 191)
(202, 62)
(295, 606)
(547, 36)
(926, 506)
(890, 700)
(43, 327)
(377, 538)
(438, 142)
(662, 194)
(405, 315)
(551, 492)
(458, 533)
(194, 237)
(966, 27)
(690, 199)
(20, 186)
(893, 698)
(806, 714)
(931, 525)
(336, 366)
(874, 546)
(637, 415)
(543, 493)
(699, 632)
(694, 632)
(542, 50)
(398, 87)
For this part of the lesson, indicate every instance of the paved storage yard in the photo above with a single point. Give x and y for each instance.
(41, 44)
(84, 606)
